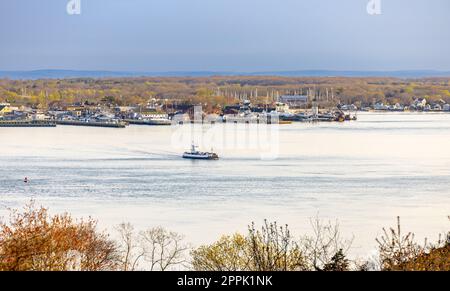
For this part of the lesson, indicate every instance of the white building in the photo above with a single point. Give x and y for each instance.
(351, 107)
(282, 107)
(420, 102)
(293, 100)
(437, 107)
(380, 106)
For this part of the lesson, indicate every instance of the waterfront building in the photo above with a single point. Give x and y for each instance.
(396, 107)
(380, 106)
(294, 101)
(75, 110)
(231, 109)
(5, 108)
(124, 109)
(246, 106)
(9, 112)
(281, 107)
(40, 116)
(152, 115)
(351, 107)
(420, 103)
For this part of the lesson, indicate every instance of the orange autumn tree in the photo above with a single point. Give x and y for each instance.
(33, 240)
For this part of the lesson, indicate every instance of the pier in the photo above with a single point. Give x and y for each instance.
(27, 123)
(92, 123)
(153, 122)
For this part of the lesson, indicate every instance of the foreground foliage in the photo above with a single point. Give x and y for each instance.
(400, 252)
(34, 240)
(272, 248)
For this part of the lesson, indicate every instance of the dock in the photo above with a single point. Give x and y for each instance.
(27, 123)
(154, 122)
(92, 123)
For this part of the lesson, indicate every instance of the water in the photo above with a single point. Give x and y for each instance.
(362, 173)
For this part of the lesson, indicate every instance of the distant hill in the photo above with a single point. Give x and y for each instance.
(66, 74)
(325, 73)
(61, 74)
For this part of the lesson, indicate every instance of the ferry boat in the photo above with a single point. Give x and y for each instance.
(194, 154)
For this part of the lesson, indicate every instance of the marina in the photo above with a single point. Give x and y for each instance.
(159, 114)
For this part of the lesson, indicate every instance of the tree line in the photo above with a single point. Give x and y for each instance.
(222, 90)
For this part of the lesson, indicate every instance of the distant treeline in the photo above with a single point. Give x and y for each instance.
(220, 90)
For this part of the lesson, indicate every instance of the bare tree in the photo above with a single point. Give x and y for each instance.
(155, 249)
(163, 249)
(325, 248)
(130, 251)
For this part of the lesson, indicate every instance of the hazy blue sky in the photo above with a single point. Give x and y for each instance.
(231, 35)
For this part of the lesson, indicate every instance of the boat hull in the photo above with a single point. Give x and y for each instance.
(155, 122)
(200, 157)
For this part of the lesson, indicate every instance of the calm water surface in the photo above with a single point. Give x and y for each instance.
(362, 173)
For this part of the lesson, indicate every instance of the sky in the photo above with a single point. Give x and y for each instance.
(224, 35)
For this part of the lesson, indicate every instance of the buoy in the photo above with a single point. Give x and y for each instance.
(25, 180)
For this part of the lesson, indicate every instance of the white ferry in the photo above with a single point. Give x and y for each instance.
(194, 154)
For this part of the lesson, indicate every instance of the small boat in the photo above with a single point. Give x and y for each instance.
(194, 154)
